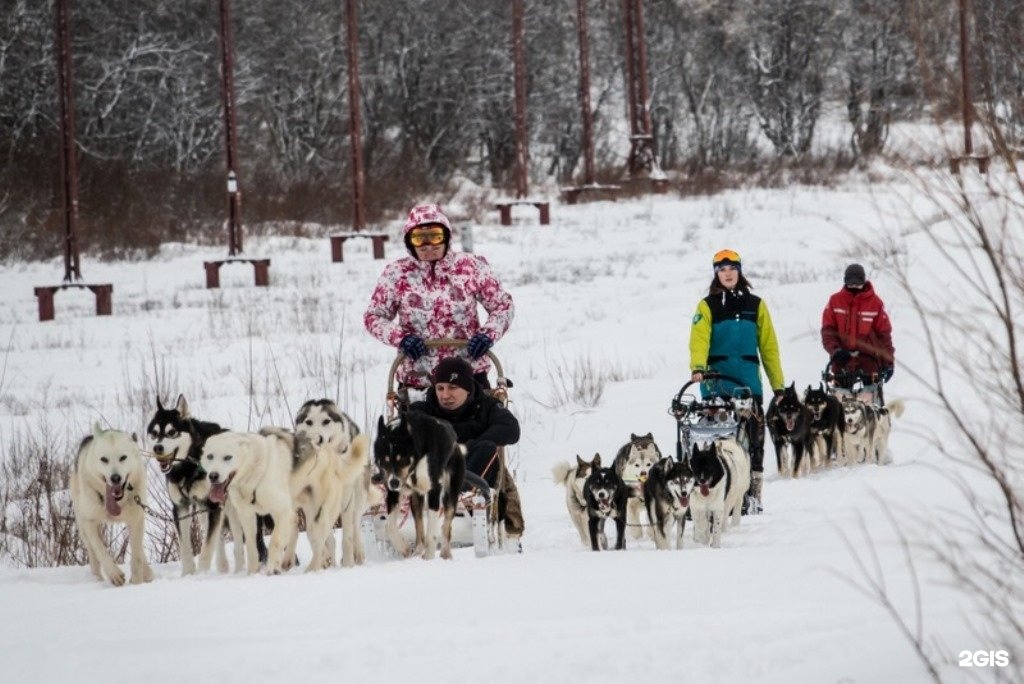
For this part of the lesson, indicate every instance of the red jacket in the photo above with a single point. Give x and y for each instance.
(857, 321)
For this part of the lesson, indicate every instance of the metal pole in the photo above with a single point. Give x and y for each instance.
(643, 86)
(68, 165)
(227, 49)
(355, 121)
(520, 97)
(587, 114)
(627, 13)
(965, 80)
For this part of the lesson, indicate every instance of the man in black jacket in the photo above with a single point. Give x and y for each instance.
(482, 425)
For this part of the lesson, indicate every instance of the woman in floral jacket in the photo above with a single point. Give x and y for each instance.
(434, 293)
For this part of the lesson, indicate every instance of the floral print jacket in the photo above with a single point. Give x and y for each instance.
(433, 300)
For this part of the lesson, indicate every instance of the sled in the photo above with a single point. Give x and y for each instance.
(864, 387)
(476, 522)
(699, 421)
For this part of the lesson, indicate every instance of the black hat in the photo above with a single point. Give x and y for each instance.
(454, 370)
(854, 275)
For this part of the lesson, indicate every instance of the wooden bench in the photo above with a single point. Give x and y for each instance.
(338, 242)
(261, 268)
(45, 294)
(982, 160)
(505, 208)
(596, 191)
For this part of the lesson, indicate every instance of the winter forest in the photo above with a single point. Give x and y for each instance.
(737, 91)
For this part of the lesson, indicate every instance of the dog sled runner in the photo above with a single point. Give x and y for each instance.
(476, 522)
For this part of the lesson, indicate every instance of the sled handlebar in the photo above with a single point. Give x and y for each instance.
(500, 391)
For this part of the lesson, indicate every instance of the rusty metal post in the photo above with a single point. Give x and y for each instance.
(643, 103)
(519, 62)
(627, 20)
(68, 164)
(355, 121)
(587, 114)
(965, 80)
(227, 72)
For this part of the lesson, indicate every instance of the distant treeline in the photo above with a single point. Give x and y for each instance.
(726, 75)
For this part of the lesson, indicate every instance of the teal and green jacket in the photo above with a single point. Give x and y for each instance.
(732, 333)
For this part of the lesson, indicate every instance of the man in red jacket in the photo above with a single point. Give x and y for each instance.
(856, 332)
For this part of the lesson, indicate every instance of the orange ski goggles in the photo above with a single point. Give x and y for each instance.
(433, 236)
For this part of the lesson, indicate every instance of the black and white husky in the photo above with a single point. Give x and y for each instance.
(633, 462)
(108, 485)
(177, 441)
(606, 496)
(721, 476)
(330, 477)
(788, 421)
(667, 497)
(866, 430)
(420, 455)
(825, 431)
(573, 477)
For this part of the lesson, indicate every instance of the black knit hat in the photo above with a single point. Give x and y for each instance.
(454, 370)
(854, 275)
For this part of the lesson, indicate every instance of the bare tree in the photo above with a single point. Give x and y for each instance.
(791, 45)
(973, 373)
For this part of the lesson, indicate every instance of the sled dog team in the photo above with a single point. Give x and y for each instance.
(322, 469)
(708, 486)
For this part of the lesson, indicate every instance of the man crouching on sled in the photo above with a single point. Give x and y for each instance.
(482, 424)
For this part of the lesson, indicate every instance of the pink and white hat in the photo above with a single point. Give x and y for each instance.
(423, 214)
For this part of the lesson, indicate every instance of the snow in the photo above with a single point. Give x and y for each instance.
(609, 289)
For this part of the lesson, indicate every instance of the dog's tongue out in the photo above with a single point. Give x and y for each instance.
(704, 489)
(112, 500)
(219, 492)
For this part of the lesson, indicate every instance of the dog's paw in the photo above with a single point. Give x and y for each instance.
(116, 576)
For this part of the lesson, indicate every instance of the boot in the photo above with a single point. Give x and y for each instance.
(752, 500)
(509, 505)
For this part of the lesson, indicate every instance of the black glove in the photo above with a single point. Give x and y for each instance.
(478, 345)
(413, 346)
(841, 356)
(886, 373)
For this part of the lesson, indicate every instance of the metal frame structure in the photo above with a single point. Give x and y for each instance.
(68, 177)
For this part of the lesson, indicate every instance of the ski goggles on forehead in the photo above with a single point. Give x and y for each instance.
(726, 255)
(418, 238)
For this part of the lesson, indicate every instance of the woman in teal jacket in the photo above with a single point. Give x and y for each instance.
(732, 334)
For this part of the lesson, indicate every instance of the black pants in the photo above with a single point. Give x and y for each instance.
(481, 460)
(755, 436)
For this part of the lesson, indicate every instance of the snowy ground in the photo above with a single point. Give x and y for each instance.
(610, 288)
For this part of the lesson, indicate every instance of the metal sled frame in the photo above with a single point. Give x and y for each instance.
(705, 420)
(865, 388)
(476, 521)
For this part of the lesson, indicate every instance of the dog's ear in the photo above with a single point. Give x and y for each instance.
(649, 435)
(135, 437)
(595, 463)
(381, 426)
(182, 406)
(159, 405)
(632, 437)
(97, 429)
(580, 463)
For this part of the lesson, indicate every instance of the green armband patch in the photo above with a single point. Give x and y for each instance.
(697, 317)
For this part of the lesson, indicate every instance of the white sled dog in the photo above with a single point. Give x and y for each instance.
(252, 472)
(633, 462)
(330, 477)
(108, 485)
(572, 477)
